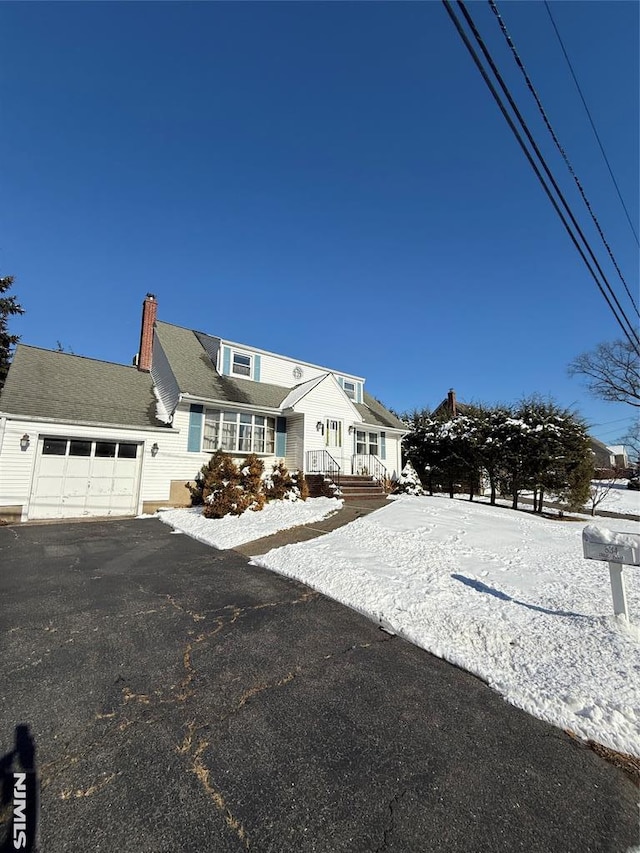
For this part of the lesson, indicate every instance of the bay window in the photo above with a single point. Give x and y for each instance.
(238, 432)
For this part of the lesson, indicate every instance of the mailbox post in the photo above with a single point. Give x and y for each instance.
(618, 549)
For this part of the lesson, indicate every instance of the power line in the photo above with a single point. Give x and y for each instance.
(531, 88)
(575, 80)
(617, 421)
(448, 7)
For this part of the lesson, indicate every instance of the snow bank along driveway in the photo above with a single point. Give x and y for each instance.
(506, 595)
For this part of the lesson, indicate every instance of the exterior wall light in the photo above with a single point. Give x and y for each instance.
(154, 449)
(24, 442)
(320, 427)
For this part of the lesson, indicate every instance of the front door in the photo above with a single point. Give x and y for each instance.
(335, 441)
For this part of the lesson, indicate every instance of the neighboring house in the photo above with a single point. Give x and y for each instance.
(603, 457)
(450, 407)
(80, 437)
(620, 456)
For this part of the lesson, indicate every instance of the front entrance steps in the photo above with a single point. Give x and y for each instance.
(353, 487)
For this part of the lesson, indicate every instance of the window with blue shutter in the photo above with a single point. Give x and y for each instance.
(194, 440)
(281, 436)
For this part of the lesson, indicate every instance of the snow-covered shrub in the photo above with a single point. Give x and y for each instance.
(224, 488)
(279, 484)
(408, 483)
(251, 480)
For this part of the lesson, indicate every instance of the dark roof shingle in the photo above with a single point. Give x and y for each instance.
(47, 384)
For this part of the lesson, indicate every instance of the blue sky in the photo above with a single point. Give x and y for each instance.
(327, 180)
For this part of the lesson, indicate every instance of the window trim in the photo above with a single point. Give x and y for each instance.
(247, 355)
(348, 392)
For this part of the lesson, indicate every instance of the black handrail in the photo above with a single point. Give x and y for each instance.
(322, 462)
(367, 463)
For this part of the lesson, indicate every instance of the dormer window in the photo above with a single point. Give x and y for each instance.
(241, 364)
(349, 389)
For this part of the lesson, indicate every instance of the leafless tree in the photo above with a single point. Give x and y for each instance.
(601, 488)
(612, 371)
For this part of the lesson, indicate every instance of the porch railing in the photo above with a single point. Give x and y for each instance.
(371, 466)
(322, 462)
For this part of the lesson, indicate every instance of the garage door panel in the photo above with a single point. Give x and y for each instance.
(49, 486)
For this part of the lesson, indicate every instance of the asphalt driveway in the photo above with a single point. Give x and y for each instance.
(182, 700)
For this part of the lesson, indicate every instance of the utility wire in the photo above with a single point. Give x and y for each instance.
(575, 80)
(448, 7)
(520, 65)
(540, 157)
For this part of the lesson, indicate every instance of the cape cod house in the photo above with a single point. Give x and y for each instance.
(80, 437)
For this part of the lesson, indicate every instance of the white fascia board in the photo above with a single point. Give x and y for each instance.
(299, 391)
(386, 428)
(230, 404)
(97, 424)
(247, 348)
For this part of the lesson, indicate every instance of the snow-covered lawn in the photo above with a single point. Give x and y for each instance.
(234, 530)
(503, 594)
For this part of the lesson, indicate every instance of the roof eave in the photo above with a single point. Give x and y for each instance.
(12, 416)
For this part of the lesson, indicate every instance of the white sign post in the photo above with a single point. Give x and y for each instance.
(618, 549)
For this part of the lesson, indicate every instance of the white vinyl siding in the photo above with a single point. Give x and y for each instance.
(276, 369)
(294, 459)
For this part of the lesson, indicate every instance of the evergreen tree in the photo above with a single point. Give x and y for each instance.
(408, 483)
(9, 307)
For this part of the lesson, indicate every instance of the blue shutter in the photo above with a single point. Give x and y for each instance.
(383, 445)
(340, 381)
(226, 361)
(256, 368)
(358, 392)
(281, 436)
(196, 417)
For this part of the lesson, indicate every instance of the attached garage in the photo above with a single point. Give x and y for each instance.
(76, 477)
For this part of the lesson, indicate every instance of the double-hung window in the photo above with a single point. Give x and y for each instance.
(367, 443)
(241, 364)
(349, 389)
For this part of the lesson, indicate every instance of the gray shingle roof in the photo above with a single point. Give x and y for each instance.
(43, 383)
(196, 375)
(375, 413)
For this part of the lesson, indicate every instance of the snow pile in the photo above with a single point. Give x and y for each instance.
(505, 595)
(234, 530)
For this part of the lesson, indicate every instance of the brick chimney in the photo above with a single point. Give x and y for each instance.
(451, 402)
(145, 353)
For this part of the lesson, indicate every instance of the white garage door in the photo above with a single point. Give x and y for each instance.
(80, 477)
